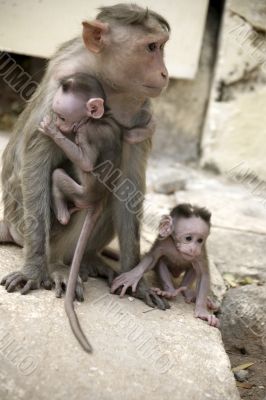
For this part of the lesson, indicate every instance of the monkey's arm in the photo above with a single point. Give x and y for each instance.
(82, 155)
(203, 287)
(128, 204)
(132, 278)
(188, 278)
(169, 291)
(35, 173)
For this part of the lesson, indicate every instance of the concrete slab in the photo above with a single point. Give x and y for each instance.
(138, 353)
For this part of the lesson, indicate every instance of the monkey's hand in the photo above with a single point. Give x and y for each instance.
(146, 294)
(47, 128)
(60, 275)
(126, 280)
(141, 291)
(27, 279)
(169, 294)
(202, 313)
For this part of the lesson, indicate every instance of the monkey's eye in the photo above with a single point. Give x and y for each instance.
(152, 46)
(188, 238)
(200, 240)
(62, 118)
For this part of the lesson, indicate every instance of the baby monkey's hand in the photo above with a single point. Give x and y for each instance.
(47, 127)
(126, 280)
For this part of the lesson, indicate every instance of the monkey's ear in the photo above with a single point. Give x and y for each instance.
(166, 226)
(95, 108)
(93, 35)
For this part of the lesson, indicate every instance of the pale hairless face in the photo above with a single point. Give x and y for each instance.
(189, 235)
(70, 111)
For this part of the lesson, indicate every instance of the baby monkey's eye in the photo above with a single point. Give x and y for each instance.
(200, 240)
(152, 46)
(62, 118)
(188, 238)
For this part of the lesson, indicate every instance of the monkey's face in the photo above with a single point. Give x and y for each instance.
(135, 61)
(70, 111)
(190, 235)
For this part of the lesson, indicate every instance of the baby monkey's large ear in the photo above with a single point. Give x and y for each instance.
(166, 226)
(95, 108)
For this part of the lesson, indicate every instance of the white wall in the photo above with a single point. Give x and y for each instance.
(37, 27)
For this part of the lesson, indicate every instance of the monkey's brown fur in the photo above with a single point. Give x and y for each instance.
(129, 76)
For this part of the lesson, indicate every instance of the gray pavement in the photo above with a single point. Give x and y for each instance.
(139, 353)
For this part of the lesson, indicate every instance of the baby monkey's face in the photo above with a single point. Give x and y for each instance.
(70, 111)
(190, 235)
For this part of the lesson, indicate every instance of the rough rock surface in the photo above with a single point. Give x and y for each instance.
(243, 320)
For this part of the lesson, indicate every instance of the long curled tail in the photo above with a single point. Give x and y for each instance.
(88, 225)
(76, 327)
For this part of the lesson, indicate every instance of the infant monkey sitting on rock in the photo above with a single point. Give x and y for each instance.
(179, 247)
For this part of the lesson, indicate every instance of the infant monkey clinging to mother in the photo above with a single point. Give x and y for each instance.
(179, 247)
(88, 134)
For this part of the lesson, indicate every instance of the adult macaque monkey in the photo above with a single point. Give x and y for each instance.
(180, 247)
(124, 49)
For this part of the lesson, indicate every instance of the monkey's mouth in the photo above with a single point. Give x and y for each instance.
(157, 88)
(188, 256)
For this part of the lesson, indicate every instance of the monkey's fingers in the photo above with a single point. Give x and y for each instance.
(151, 299)
(148, 300)
(156, 290)
(79, 292)
(159, 302)
(111, 277)
(61, 284)
(211, 305)
(46, 121)
(14, 281)
(117, 282)
(213, 321)
(58, 287)
(181, 289)
(30, 285)
(47, 284)
(134, 285)
(168, 295)
(8, 278)
(124, 289)
(41, 128)
(18, 278)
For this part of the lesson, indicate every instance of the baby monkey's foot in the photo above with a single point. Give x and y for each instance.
(62, 215)
(202, 313)
(190, 297)
(169, 294)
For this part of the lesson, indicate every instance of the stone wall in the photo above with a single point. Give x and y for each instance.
(234, 139)
(180, 111)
